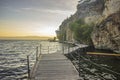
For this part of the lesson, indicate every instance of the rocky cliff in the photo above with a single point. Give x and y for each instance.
(106, 33)
(105, 14)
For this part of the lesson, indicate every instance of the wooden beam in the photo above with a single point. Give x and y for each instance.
(103, 54)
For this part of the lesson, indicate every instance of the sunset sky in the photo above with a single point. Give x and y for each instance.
(33, 17)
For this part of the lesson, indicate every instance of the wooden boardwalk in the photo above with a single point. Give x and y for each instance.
(54, 67)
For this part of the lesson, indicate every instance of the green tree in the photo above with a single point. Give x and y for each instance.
(82, 31)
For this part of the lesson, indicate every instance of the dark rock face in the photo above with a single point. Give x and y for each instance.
(111, 6)
(106, 35)
(90, 8)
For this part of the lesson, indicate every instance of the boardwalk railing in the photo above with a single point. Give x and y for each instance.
(39, 50)
(32, 59)
(78, 48)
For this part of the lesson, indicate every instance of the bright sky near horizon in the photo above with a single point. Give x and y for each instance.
(33, 17)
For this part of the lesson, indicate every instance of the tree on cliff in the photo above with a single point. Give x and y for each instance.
(82, 31)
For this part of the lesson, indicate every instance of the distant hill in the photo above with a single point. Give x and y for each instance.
(26, 38)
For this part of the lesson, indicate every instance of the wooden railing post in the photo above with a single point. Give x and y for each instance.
(40, 49)
(63, 47)
(37, 53)
(28, 65)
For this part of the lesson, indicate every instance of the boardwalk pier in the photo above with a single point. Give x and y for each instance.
(54, 66)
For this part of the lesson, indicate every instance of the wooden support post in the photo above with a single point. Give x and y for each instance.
(40, 49)
(28, 65)
(63, 38)
(63, 47)
(37, 53)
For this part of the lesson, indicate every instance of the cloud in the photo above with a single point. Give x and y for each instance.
(55, 4)
(33, 15)
(62, 7)
(46, 4)
(51, 11)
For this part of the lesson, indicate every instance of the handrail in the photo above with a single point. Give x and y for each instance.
(37, 54)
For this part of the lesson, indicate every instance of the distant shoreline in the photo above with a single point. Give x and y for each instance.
(26, 38)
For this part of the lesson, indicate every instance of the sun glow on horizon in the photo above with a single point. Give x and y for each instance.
(33, 17)
(11, 29)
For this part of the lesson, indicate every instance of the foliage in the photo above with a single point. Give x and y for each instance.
(82, 31)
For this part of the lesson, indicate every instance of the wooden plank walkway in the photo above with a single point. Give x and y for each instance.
(54, 67)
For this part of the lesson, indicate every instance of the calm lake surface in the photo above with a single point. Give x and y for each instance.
(13, 56)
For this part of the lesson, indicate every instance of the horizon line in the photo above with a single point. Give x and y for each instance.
(24, 36)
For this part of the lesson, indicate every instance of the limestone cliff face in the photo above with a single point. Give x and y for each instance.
(105, 14)
(91, 10)
(106, 34)
(111, 6)
(64, 31)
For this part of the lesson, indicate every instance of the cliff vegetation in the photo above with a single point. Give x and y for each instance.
(82, 31)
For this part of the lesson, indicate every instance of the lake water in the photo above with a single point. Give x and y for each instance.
(13, 56)
(13, 60)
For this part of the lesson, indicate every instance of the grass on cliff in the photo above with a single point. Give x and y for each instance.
(82, 31)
